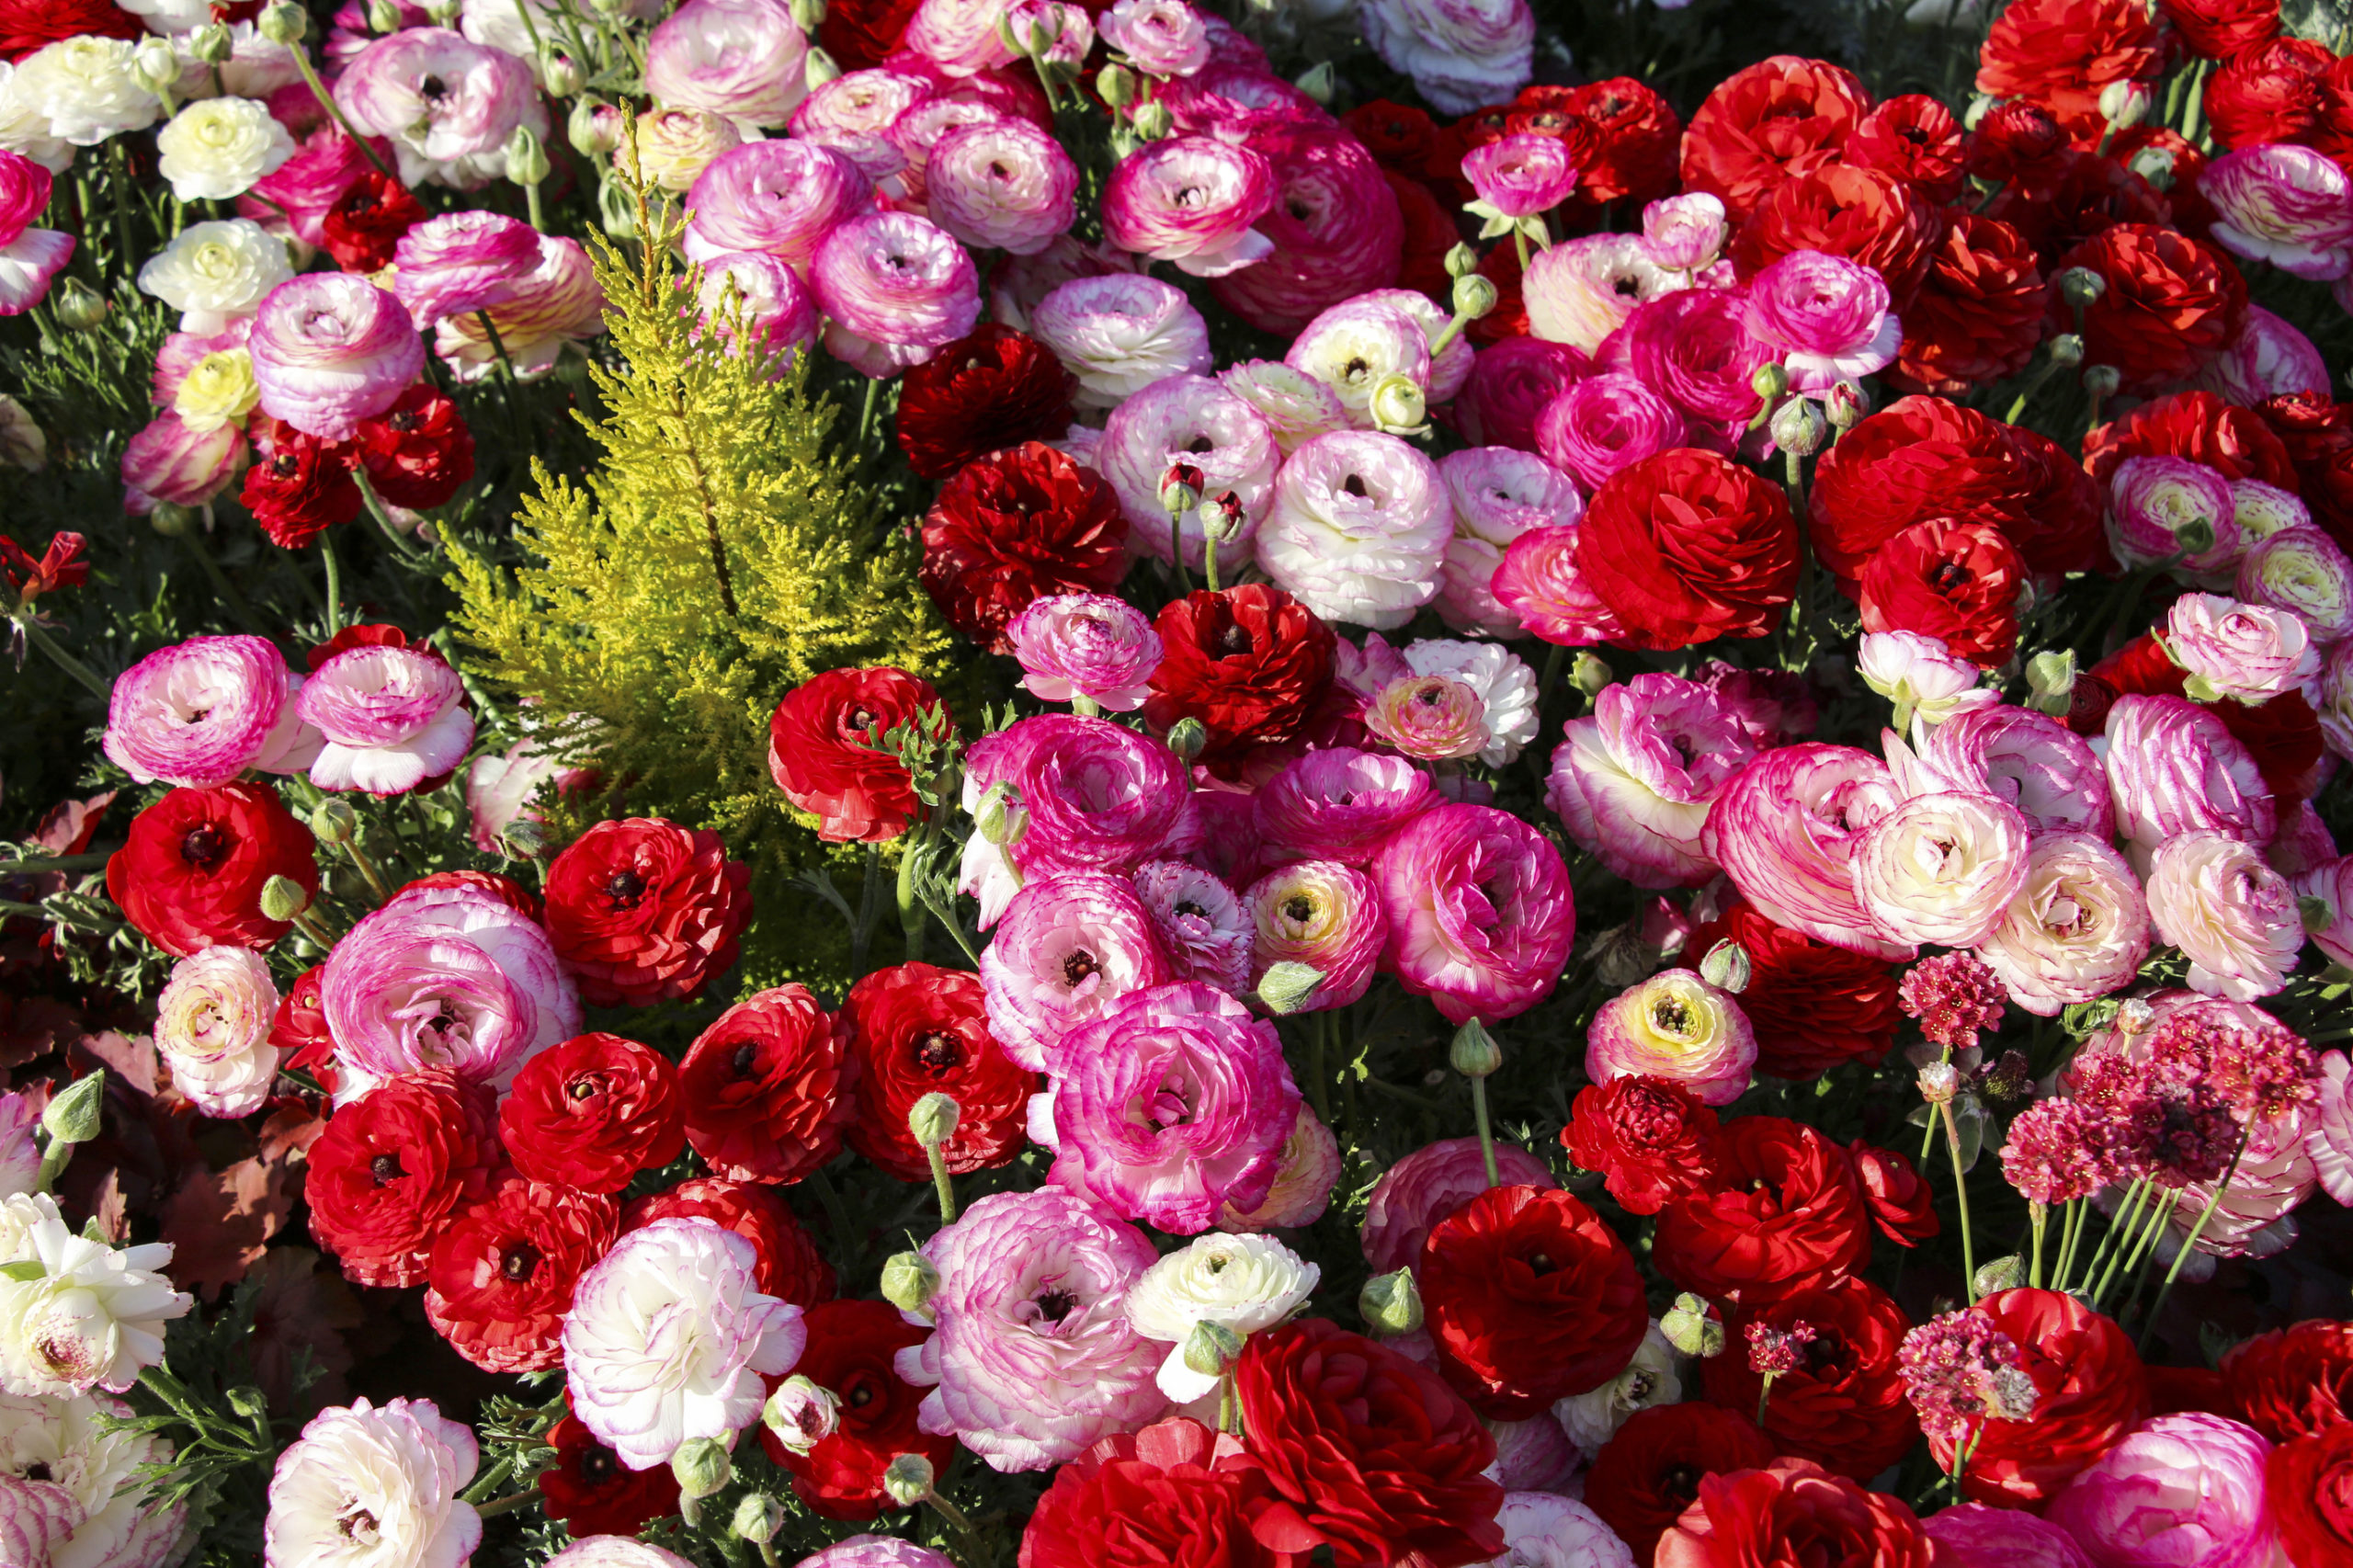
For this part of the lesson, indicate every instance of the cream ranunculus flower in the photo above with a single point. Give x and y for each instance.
(1677, 1026)
(219, 148)
(212, 1028)
(213, 273)
(2213, 897)
(83, 87)
(1941, 868)
(2078, 929)
(1241, 1283)
(372, 1486)
(80, 1472)
(218, 389)
(1593, 1418)
(92, 1316)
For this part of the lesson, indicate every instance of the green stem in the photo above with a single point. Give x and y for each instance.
(940, 1183)
(37, 864)
(2040, 1214)
(2072, 1232)
(334, 585)
(2128, 1213)
(405, 552)
(912, 920)
(64, 660)
(1764, 1397)
(531, 192)
(222, 585)
(376, 883)
(866, 414)
(2189, 1245)
(1961, 1190)
(487, 1482)
(508, 1504)
(1487, 1132)
(1176, 555)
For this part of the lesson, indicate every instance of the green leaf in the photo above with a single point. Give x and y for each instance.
(27, 1269)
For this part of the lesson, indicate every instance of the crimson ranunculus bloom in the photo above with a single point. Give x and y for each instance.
(1958, 582)
(2310, 1482)
(790, 1268)
(28, 25)
(2271, 93)
(1649, 1472)
(1772, 121)
(997, 389)
(2292, 1382)
(2092, 1388)
(1842, 208)
(1812, 1006)
(849, 1355)
(502, 1271)
(1648, 1137)
(190, 873)
(1173, 1496)
(394, 1166)
(918, 1029)
(644, 910)
(1793, 1511)
(1978, 315)
(366, 221)
(1919, 458)
(1917, 140)
(1015, 526)
(2061, 531)
(1378, 1458)
(300, 1029)
(2171, 303)
(2220, 29)
(418, 451)
(1639, 138)
(593, 1494)
(1532, 1298)
(821, 751)
(1785, 1213)
(768, 1089)
(2200, 426)
(299, 486)
(2017, 143)
(859, 34)
(2059, 54)
(2317, 436)
(592, 1112)
(1845, 1407)
(1901, 1203)
(1250, 663)
(1685, 547)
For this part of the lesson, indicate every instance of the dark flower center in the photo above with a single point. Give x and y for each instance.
(1541, 1263)
(1680, 1483)
(1949, 576)
(1200, 444)
(746, 1057)
(860, 719)
(585, 1087)
(519, 1262)
(1056, 1305)
(1234, 640)
(1187, 906)
(597, 1465)
(204, 847)
(434, 87)
(386, 1169)
(1354, 485)
(860, 1395)
(625, 888)
(1299, 906)
(286, 465)
(1080, 966)
(404, 421)
(36, 1471)
(938, 1051)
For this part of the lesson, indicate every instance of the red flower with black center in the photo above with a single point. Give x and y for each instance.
(1844, 1407)
(1250, 663)
(1958, 582)
(592, 1112)
(917, 1029)
(768, 1089)
(1917, 140)
(823, 754)
(1784, 1214)
(190, 875)
(593, 1493)
(1770, 122)
(642, 910)
(367, 221)
(997, 389)
(1013, 526)
(299, 485)
(1649, 1472)
(502, 1273)
(851, 1353)
(1637, 135)
(418, 451)
(394, 1166)
(790, 1268)
(1647, 1136)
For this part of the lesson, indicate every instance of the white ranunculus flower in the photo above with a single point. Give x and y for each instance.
(372, 1486)
(212, 273)
(1119, 334)
(91, 1318)
(2078, 929)
(1242, 1283)
(80, 1475)
(19, 1213)
(1920, 677)
(24, 129)
(1358, 529)
(213, 1029)
(220, 148)
(83, 87)
(1501, 677)
(1942, 868)
(1593, 1418)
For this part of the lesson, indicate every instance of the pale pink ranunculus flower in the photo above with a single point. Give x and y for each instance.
(1191, 200)
(2028, 759)
(1634, 780)
(1545, 1530)
(2331, 881)
(1976, 1535)
(1498, 494)
(1162, 37)
(500, 787)
(1606, 423)
(385, 1477)
(1461, 53)
(623, 1551)
(92, 1510)
(2328, 1136)
(1533, 1456)
(19, 1155)
(212, 1028)
(853, 115)
(1920, 677)
(916, 133)
(1358, 529)
(1828, 319)
(1676, 1027)
(1118, 334)
(2174, 768)
(448, 105)
(457, 262)
(896, 289)
(1199, 923)
(2184, 1491)
(1481, 916)
(2212, 896)
(556, 305)
(2152, 501)
(1295, 405)
(1339, 804)
(2305, 571)
(1070, 949)
(1538, 581)
(1522, 174)
(1192, 420)
(1309, 1170)
(2261, 510)
(1941, 868)
(1001, 186)
(201, 712)
(1326, 916)
(782, 195)
(2288, 205)
(874, 1552)
(959, 37)
(773, 303)
(1685, 233)
(2333, 701)
(391, 719)
(171, 460)
(742, 59)
(1089, 645)
(2077, 928)
(1335, 224)
(2270, 357)
(2248, 653)
(1355, 346)
(1581, 290)
(331, 349)
(1786, 831)
(1417, 1192)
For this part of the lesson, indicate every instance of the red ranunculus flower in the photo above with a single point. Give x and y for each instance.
(2310, 1482)
(821, 757)
(1430, 233)
(2093, 1392)
(190, 874)
(917, 1029)
(2199, 427)
(2059, 54)
(642, 910)
(1785, 1213)
(299, 486)
(1173, 1496)
(859, 34)
(1687, 547)
(300, 1030)
(1901, 1203)
(1532, 1298)
(1845, 210)
(502, 1273)
(394, 1166)
(2271, 93)
(1647, 1136)
(1379, 1459)
(2061, 531)
(593, 1494)
(1844, 1408)
(506, 890)
(1978, 315)
(2086, 195)
(418, 451)
(790, 1266)
(1647, 1475)
(2292, 1382)
(1639, 140)
(2318, 436)
(2221, 30)
(1015, 526)
(1812, 1006)
(768, 1089)
(1917, 140)
(1774, 120)
(1951, 580)
(2171, 304)
(366, 221)
(849, 1355)
(997, 389)
(1399, 136)
(1250, 663)
(2017, 143)
(364, 635)
(28, 25)
(1793, 1511)
(592, 1112)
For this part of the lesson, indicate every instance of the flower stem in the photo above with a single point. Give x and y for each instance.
(334, 111)
(946, 1189)
(367, 868)
(2127, 1213)
(334, 585)
(1961, 1190)
(2189, 1245)
(1176, 555)
(64, 660)
(2039, 1215)
(1486, 1132)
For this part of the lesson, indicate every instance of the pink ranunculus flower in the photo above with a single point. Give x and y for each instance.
(1100, 797)
(2303, 569)
(557, 305)
(1480, 914)
(30, 257)
(1430, 718)
(1685, 233)
(918, 130)
(896, 288)
(200, 713)
(2270, 357)
(19, 1155)
(852, 115)
(1522, 175)
(1192, 420)
(780, 195)
(1070, 949)
(1427, 1186)
(1296, 406)
(501, 787)
(1303, 1182)
(2212, 896)
(1975, 1535)
(1171, 1106)
(774, 304)
(1339, 804)
(448, 105)
(1119, 333)
(391, 719)
(2333, 701)
(2328, 1138)
(1539, 582)
(1498, 494)
(874, 1552)
(628, 1551)
(2152, 501)
(458, 263)
(1941, 868)
(2331, 881)
(331, 349)
(1085, 645)
(1032, 1359)
(1336, 224)
(1461, 53)
(1358, 529)
(959, 37)
(2183, 1491)
(1162, 37)
(742, 59)
(213, 1029)
(1632, 781)
(1199, 923)
(1356, 345)
(2077, 928)
(1510, 384)
(1059, 32)
(2249, 653)
(1542, 1531)
(382, 1477)
(1581, 290)
(303, 190)
(2302, 844)
(1693, 346)
(1827, 318)
(2286, 205)
(2028, 759)
(1326, 916)
(1001, 186)
(1786, 831)
(1191, 200)
(2173, 768)
(1677, 1026)
(171, 460)
(1606, 423)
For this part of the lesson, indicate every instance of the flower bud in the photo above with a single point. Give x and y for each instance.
(2196, 536)
(383, 15)
(562, 76)
(1726, 967)
(1474, 1052)
(909, 1479)
(1188, 737)
(283, 898)
(1153, 121)
(2126, 104)
(593, 127)
(1621, 958)
(2154, 165)
(1474, 297)
(155, 65)
(1391, 1304)
(616, 208)
(77, 306)
(527, 161)
(2082, 285)
(758, 1518)
(1589, 674)
(73, 1117)
(248, 1401)
(1320, 83)
(1769, 381)
(1001, 819)
(819, 69)
(212, 43)
(801, 1413)
(170, 519)
(444, 13)
(2050, 682)
(909, 1281)
(1847, 406)
(1798, 426)
(284, 22)
(1116, 84)
(1693, 1326)
(702, 1467)
(523, 839)
(1287, 984)
(1397, 406)
(809, 16)
(333, 822)
(932, 1120)
(1461, 261)
(1210, 1348)
(2066, 351)
(2001, 1273)
(1940, 1081)
(1180, 489)
(2101, 380)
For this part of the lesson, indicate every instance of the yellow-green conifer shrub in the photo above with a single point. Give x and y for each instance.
(716, 557)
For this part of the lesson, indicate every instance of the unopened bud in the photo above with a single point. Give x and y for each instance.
(617, 210)
(73, 1117)
(1693, 1326)
(1397, 406)
(932, 1120)
(78, 306)
(1475, 296)
(702, 1467)
(2050, 681)
(333, 822)
(1391, 1304)
(1461, 261)
(1940, 1081)
(2317, 915)
(1116, 84)
(212, 43)
(2067, 350)
(909, 1281)
(1188, 737)
(1320, 82)
(562, 76)
(1845, 406)
(284, 22)
(1726, 967)
(171, 519)
(527, 161)
(1180, 489)
(2135, 1017)
(1221, 516)
(2196, 536)
(2154, 165)
(383, 15)
(593, 127)
(809, 16)
(2001, 1273)
(1798, 426)
(801, 1413)
(818, 69)
(155, 65)
(1589, 674)
(2126, 104)
(1769, 381)
(1001, 818)
(2101, 380)
(444, 13)
(248, 1401)
(758, 1518)
(1620, 957)
(1474, 1052)
(909, 1479)
(1210, 1348)
(1287, 985)
(1153, 121)
(525, 838)
(283, 898)
(2082, 285)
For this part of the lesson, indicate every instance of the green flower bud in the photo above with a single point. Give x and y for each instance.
(1153, 121)
(1287, 985)
(1461, 261)
(247, 1402)
(1845, 407)
(171, 519)
(525, 838)
(1474, 1052)
(702, 1467)
(1116, 84)
(155, 65)
(909, 1479)
(1391, 1304)
(2066, 351)
(2316, 914)
(1769, 381)
(1188, 737)
(809, 16)
(384, 16)
(801, 1413)
(284, 22)
(2101, 380)
(2082, 285)
(593, 127)
(2051, 678)
(73, 1117)
(1320, 82)
(1588, 674)
(758, 1518)
(1474, 296)
(283, 898)
(932, 1120)
(333, 821)
(2196, 536)
(2001, 1273)
(527, 161)
(77, 306)
(1397, 406)
(617, 211)
(1001, 818)
(1798, 426)
(909, 1281)
(1210, 1348)
(1693, 1326)
(2126, 104)
(212, 43)
(1726, 967)
(819, 69)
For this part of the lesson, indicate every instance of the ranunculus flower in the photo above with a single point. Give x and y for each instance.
(2153, 499)
(2248, 653)
(1787, 829)
(1510, 384)
(1687, 546)
(895, 288)
(1091, 646)
(2212, 895)
(1941, 868)
(787, 1264)
(83, 87)
(1100, 798)
(1165, 1493)
(1522, 174)
(1326, 916)
(2172, 303)
(1607, 423)
(642, 910)
(1427, 718)
(767, 1089)
(1197, 422)
(1427, 1186)
(1015, 524)
(2292, 1382)
(1356, 345)
(374, 1482)
(1190, 199)
(503, 1274)
(2076, 929)
(91, 1509)
(2173, 767)
(1648, 1473)
(391, 717)
(1072, 946)
(1161, 38)
(994, 389)
(1784, 1214)
(2310, 1482)
(1461, 53)
(1827, 317)
(1337, 803)
(1539, 581)
(1251, 663)
(1336, 225)
(1976, 1536)
(592, 1112)
(1003, 186)
(1241, 1283)
(1480, 914)
(915, 1030)
(77, 1313)
(1633, 781)
(1956, 582)
(170, 460)
(217, 148)
(394, 1166)
(1200, 925)
(780, 195)
(448, 105)
(191, 870)
(1792, 1505)
(1770, 122)
(2181, 1488)
(1118, 335)
(212, 1028)
(2303, 569)
(1810, 1005)
(329, 350)
(1581, 292)
(1650, 1137)
(1676, 1027)
(822, 754)
(1359, 527)
(202, 712)
(1309, 1170)
(851, 1348)
(2090, 1389)
(1499, 493)
(728, 57)
(2286, 205)
(2026, 759)
(777, 312)
(556, 305)
(1844, 1405)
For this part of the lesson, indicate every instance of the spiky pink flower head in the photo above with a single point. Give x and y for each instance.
(1481, 916)
(1960, 1370)
(2053, 1153)
(1200, 924)
(1772, 1351)
(1953, 995)
(2265, 1072)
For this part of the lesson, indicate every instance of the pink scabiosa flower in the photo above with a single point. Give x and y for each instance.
(331, 349)
(1090, 646)
(2303, 569)
(213, 1027)
(1606, 423)
(1461, 53)
(448, 105)
(367, 1483)
(2173, 767)
(1676, 1027)
(1825, 318)
(1071, 947)
(1685, 233)
(1032, 1359)
(1119, 333)
(391, 719)
(1941, 868)
(1960, 1370)
(2076, 929)
(458, 263)
(201, 712)
(1339, 804)
(2212, 896)
(1787, 829)
(1326, 916)
(1519, 176)
(1199, 923)
(1295, 405)
(1190, 199)
(1480, 914)
(668, 1337)
(1003, 186)
(172, 461)
(1538, 581)
(2055, 1153)
(2026, 759)
(742, 59)
(774, 305)
(556, 305)
(782, 195)
(1582, 290)
(896, 288)
(2177, 1489)
(2286, 205)
(1359, 527)
(1633, 781)
(1192, 420)
(2162, 507)
(2248, 653)
(1954, 996)
(30, 257)
(1498, 494)
(1693, 346)
(1162, 37)
(1427, 1186)
(444, 977)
